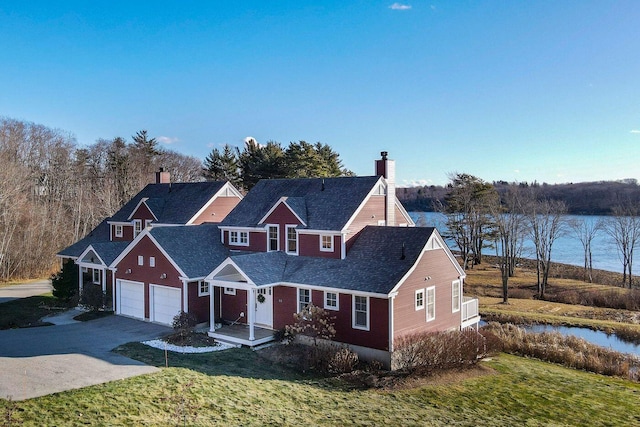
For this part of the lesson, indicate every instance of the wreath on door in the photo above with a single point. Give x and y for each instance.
(261, 298)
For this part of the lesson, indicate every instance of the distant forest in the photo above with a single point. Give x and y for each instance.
(584, 198)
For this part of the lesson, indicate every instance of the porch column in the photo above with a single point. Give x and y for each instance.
(251, 312)
(80, 284)
(104, 280)
(212, 308)
(185, 298)
(113, 289)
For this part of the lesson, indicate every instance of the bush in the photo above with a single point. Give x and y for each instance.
(314, 322)
(92, 297)
(429, 352)
(342, 361)
(183, 324)
(65, 281)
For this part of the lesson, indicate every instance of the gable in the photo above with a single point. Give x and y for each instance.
(91, 257)
(218, 207)
(142, 211)
(281, 213)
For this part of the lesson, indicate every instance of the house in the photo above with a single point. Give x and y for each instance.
(162, 203)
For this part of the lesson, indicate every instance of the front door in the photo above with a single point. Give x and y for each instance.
(264, 307)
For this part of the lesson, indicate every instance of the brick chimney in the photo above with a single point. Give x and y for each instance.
(163, 177)
(387, 169)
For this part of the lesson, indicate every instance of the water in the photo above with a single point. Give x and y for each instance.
(566, 250)
(594, 337)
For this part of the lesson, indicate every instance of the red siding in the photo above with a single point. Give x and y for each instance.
(370, 214)
(143, 213)
(199, 306)
(309, 245)
(282, 215)
(257, 242)
(437, 265)
(400, 218)
(285, 304)
(233, 305)
(127, 233)
(217, 210)
(148, 275)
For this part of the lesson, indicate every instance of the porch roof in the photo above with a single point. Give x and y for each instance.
(98, 234)
(109, 251)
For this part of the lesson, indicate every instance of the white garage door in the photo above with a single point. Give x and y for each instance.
(165, 303)
(130, 299)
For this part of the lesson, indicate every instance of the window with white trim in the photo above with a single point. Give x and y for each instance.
(361, 312)
(118, 230)
(292, 240)
(455, 296)
(229, 291)
(304, 298)
(331, 301)
(274, 243)
(326, 243)
(140, 260)
(419, 299)
(96, 276)
(431, 303)
(152, 261)
(137, 227)
(147, 223)
(239, 238)
(203, 288)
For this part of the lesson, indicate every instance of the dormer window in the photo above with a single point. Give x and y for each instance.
(137, 227)
(326, 243)
(239, 238)
(118, 231)
(292, 240)
(274, 244)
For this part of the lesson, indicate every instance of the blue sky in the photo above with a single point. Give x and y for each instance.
(524, 91)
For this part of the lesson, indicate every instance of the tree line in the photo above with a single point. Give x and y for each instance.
(479, 217)
(53, 191)
(585, 198)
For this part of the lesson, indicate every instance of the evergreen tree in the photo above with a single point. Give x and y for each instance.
(65, 282)
(222, 165)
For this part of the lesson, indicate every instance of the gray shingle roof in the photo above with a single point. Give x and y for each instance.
(196, 249)
(374, 263)
(323, 209)
(98, 234)
(174, 203)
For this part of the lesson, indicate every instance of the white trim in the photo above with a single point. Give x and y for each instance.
(277, 227)
(330, 289)
(255, 229)
(456, 284)
(142, 201)
(405, 214)
(116, 230)
(229, 291)
(93, 275)
(419, 307)
(135, 223)
(434, 236)
(222, 192)
(331, 238)
(426, 305)
(311, 231)
(328, 307)
(298, 302)
(82, 263)
(185, 296)
(141, 260)
(282, 200)
(286, 239)
(239, 234)
(391, 323)
(373, 191)
(199, 284)
(353, 312)
(152, 261)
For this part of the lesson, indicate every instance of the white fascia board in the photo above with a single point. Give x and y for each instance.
(66, 257)
(330, 289)
(345, 229)
(85, 252)
(166, 255)
(119, 222)
(129, 247)
(282, 200)
(405, 214)
(235, 285)
(141, 202)
(231, 228)
(219, 193)
(322, 232)
(211, 276)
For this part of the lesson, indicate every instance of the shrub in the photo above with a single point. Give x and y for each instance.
(342, 361)
(65, 281)
(92, 297)
(314, 322)
(428, 352)
(183, 324)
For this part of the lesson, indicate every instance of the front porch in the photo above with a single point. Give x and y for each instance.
(241, 334)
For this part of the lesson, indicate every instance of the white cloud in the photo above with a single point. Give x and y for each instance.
(399, 6)
(516, 170)
(635, 131)
(416, 182)
(167, 140)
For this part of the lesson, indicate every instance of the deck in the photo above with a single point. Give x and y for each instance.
(239, 334)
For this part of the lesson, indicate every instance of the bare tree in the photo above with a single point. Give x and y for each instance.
(547, 222)
(624, 230)
(585, 231)
(510, 228)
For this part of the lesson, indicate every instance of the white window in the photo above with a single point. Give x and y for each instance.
(229, 291)
(455, 296)
(361, 312)
(273, 238)
(419, 299)
(326, 243)
(96, 275)
(118, 230)
(239, 238)
(431, 303)
(152, 261)
(292, 240)
(147, 223)
(137, 227)
(331, 301)
(140, 260)
(203, 288)
(304, 298)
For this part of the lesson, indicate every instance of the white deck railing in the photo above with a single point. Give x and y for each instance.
(469, 308)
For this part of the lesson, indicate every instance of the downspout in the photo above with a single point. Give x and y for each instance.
(212, 308)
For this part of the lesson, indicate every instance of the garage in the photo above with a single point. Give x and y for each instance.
(130, 299)
(165, 303)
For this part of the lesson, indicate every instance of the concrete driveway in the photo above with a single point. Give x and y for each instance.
(49, 359)
(24, 290)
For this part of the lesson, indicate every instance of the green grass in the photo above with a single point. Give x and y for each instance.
(26, 312)
(237, 387)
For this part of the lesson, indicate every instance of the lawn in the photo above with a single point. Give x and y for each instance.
(26, 312)
(238, 387)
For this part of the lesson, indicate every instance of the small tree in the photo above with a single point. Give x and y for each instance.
(183, 324)
(624, 230)
(65, 281)
(314, 322)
